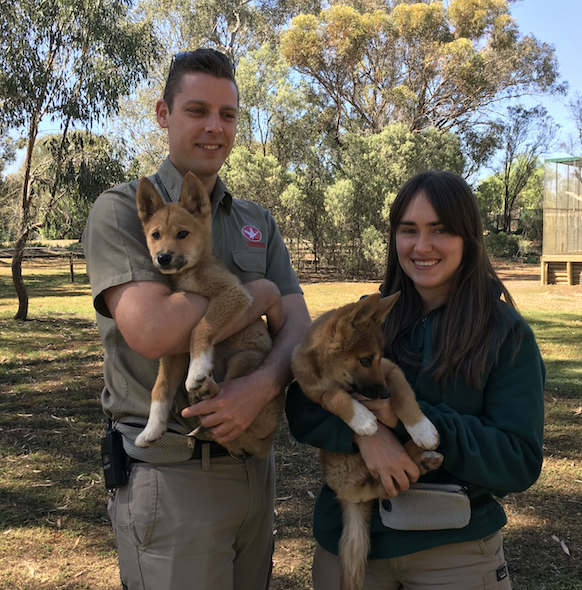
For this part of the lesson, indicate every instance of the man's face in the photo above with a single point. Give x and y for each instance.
(202, 125)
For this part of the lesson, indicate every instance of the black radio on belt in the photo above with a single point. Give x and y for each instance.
(114, 458)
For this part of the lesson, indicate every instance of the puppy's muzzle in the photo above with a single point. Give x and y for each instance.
(168, 263)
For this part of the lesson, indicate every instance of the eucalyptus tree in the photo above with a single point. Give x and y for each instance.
(573, 143)
(66, 60)
(422, 63)
(90, 164)
(369, 174)
(526, 135)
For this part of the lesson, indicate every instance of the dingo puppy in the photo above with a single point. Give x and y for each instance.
(178, 238)
(341, 354)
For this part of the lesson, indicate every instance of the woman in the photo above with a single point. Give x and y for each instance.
(478, 375)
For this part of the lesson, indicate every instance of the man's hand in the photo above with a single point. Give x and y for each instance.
(233, 410)
(387, 460)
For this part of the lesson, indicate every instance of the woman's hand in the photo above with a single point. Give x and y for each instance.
(387, 460)
(381, 408)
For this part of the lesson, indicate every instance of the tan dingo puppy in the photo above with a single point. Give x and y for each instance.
(178, 238)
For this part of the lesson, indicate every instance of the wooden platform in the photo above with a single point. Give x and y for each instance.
(565, 269)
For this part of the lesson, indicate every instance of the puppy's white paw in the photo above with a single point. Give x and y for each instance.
(363, 422)
(156, 425)
(150, 434)
(424, 434)
(199, 371)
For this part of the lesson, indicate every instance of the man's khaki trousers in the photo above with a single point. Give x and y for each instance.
(182, 527)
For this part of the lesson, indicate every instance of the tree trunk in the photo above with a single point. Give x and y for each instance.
(19, 285)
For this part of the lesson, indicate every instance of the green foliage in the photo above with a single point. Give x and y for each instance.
(514, 193)
(255, 177)
(8, 146)
(377, 67)
(525, 136)
(90, 166)
(371, 170)
(531, 223)
(69, 58)
(502, 245)
(65, 59)
(274, 115)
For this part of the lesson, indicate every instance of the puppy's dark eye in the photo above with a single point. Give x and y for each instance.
(366, 361)
(182, 234)
(156, 235)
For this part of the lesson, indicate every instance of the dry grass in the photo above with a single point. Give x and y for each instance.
(54, 530)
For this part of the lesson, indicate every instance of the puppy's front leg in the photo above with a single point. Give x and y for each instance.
(169, 376)
(353, 413)
(223, 311)
(420, 428)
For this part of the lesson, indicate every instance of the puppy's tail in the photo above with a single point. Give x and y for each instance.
(354, 543)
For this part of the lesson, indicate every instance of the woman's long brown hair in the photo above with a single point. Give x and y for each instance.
(467, 324)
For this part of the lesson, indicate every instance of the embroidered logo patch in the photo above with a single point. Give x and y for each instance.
(251, 233)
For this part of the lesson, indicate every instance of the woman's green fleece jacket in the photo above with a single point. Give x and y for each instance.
(491, 437)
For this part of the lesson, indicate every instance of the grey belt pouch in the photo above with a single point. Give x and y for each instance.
(427, 507)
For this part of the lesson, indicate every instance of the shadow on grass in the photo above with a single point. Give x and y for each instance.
(45, 285)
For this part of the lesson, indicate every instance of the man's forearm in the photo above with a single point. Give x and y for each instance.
(154, 320)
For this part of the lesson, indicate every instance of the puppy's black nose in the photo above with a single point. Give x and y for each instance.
(164, 259)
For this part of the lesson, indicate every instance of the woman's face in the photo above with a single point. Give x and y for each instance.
(427, 252)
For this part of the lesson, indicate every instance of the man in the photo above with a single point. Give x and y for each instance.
(190, 518)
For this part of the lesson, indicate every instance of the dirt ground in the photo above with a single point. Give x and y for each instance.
(514, 272)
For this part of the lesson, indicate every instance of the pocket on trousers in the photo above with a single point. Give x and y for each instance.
(133, 511)
(492, 545)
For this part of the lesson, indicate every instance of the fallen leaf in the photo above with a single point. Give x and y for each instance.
(557, 539)
(565, 548)
(310, 494)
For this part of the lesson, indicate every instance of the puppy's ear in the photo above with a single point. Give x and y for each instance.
(194, 197)
(384, 307)
(148, 200)
(365, 310)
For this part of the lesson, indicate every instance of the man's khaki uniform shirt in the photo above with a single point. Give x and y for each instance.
(244, 236)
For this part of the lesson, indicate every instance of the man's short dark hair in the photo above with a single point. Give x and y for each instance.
(204, 61)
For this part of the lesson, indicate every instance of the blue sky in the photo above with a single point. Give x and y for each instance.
(559, 23)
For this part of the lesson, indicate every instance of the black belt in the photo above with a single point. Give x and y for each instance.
(216, 450)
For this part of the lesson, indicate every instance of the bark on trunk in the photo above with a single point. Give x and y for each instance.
(19, 285)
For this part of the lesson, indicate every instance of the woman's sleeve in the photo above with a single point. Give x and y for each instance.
(500, 450)
(310, 424)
